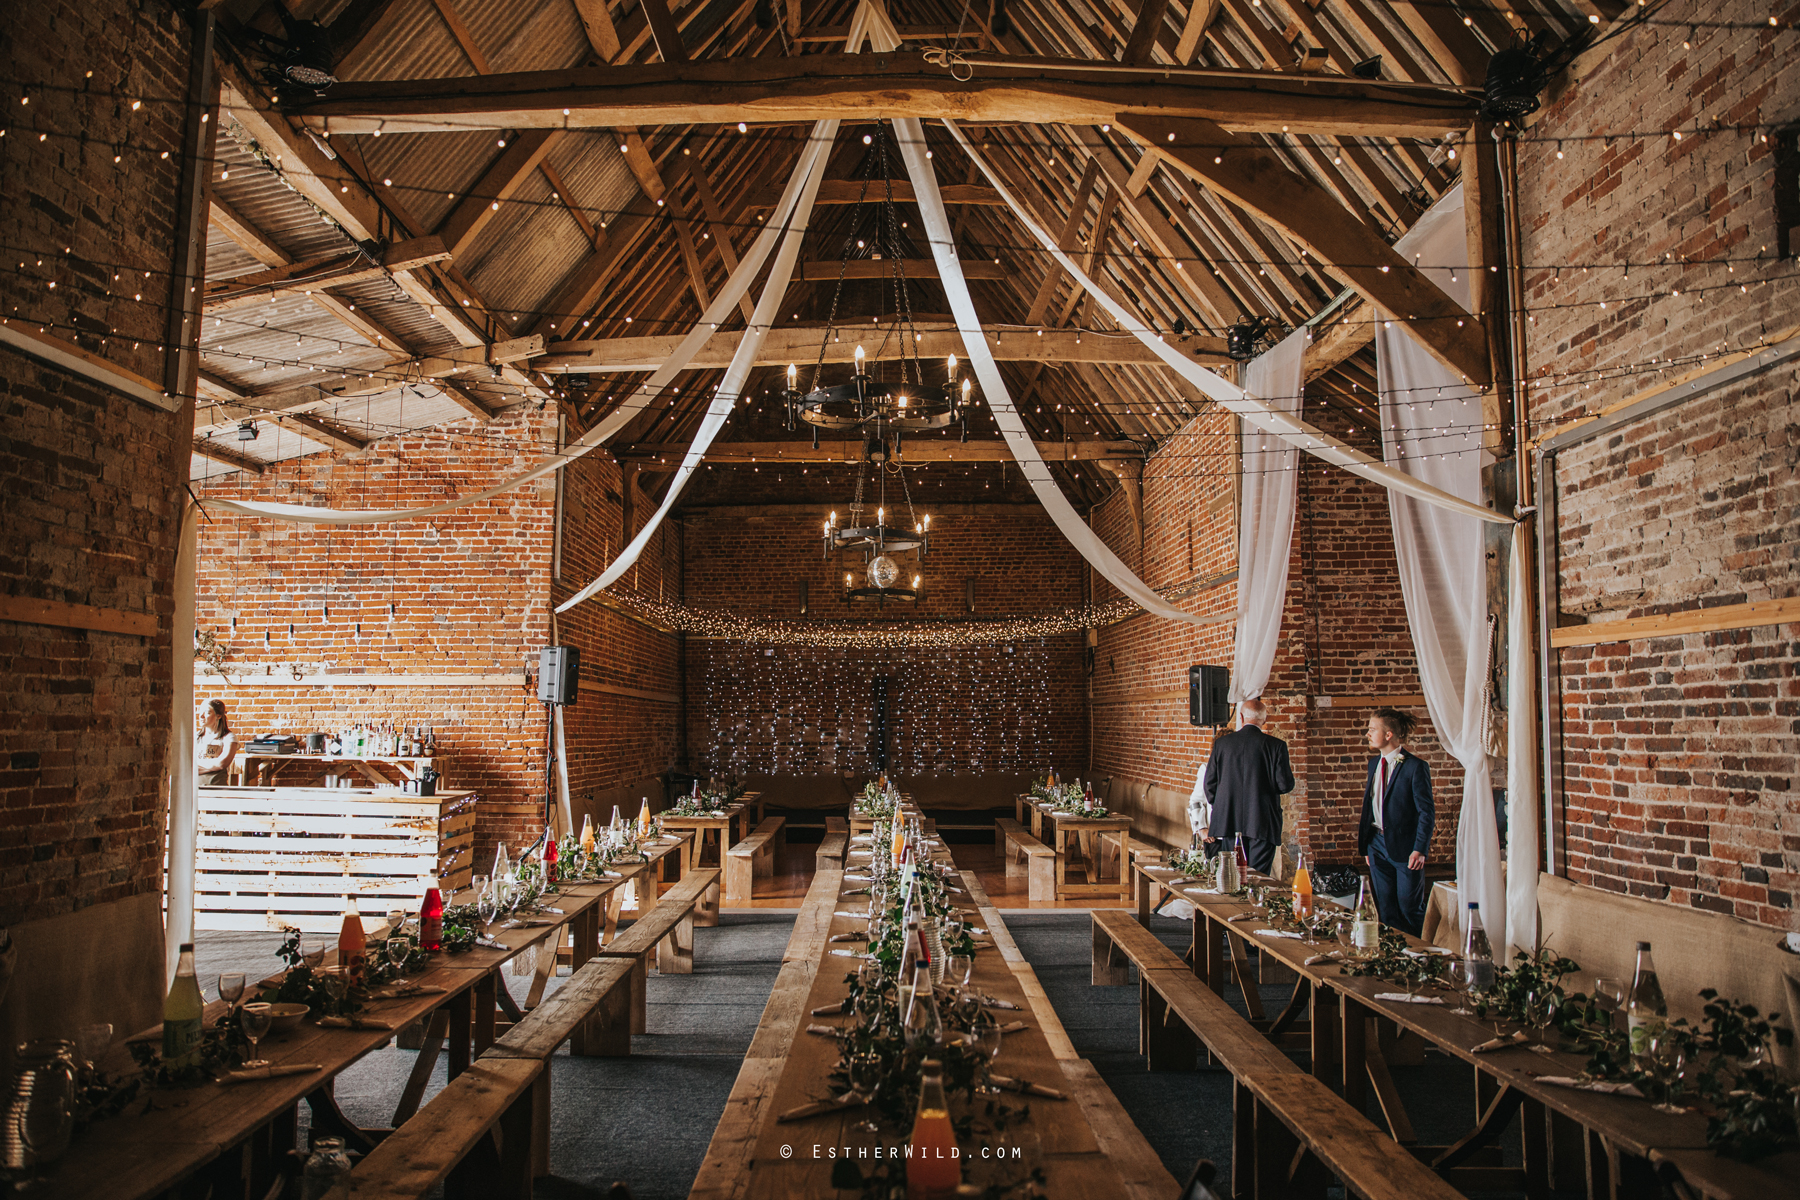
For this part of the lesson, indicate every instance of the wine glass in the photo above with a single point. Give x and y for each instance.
(396, 920)
(231, 987)
(255, 1020)
(1459, 979)
(961, 967)
(399, 949)
(866, 1074)
(486, 907)
(1612, 993)
(1665, 1062)
(987, 1043)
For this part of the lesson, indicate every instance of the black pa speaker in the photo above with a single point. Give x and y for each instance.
(559, 675)
(1209, 691)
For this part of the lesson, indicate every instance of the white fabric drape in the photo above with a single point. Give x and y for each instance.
(1271, 484)
(812, 159)
(1431, 429)
(730, 387)
(1228, 395)
(183, 809)
(911, 136)
(1522, 812)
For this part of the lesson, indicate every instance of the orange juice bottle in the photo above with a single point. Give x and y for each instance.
(1303, 888)
(933, 1162)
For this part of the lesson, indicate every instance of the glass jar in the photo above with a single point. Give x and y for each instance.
(327, 1164)
(40, 1114)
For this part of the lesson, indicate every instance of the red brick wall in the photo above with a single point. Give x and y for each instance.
(1678, 779)
(629, 730)
(986, 708)
(91, 479)
(469, 591)
(1343, 635)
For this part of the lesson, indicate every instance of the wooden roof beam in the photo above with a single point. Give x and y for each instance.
(508, 172)
(207, 448)
(320, 273)
(1255, 179)
(914, 449)
(813, 87)
(790, 345)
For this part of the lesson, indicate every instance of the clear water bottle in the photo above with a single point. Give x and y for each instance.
(324, 1168)
(1478, 954)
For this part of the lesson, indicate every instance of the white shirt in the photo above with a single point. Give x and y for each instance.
(214, 751)
(1392, 758)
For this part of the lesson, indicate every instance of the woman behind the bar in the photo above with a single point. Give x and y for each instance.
(215, 747)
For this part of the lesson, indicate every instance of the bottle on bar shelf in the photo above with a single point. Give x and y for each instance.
(1303, 887)
(183, 1014)
(353, 944)
(431, 918)
(933, 1166)
(1646, 1014)
(1365, 927)
(1478, 952)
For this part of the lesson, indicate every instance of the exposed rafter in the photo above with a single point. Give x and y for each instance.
(823, 86)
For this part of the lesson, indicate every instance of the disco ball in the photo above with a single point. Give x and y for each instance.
(883, 571)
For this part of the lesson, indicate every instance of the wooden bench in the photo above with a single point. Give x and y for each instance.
(836, 824)
(1145, 852)
(753, 857)
(592, 1012)
(1024, 853)
(831, 851)
(475, 1136)
(1175, 1006)
(667, 931)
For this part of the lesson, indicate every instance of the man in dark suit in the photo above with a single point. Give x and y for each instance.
(1397, 819)
(1245, 779)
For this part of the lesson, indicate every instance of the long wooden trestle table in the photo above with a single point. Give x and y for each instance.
(1088, 1146)
(1601, 1145)
(232, 1139)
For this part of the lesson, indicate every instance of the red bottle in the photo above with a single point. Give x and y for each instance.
(549, 858)
(1243, 857)
(431, 919)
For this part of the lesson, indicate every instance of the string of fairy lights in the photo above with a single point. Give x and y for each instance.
(798, 708)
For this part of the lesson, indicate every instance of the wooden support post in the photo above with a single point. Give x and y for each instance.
(1169, 1044)
(1353, 1021)
(459, 1007)
(187, 270)
(1111, 968)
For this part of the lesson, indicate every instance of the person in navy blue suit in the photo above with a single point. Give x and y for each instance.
(1397, 819)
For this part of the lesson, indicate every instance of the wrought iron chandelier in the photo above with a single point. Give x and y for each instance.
(881, 409)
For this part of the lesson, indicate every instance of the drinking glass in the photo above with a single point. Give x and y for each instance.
(231, 987)
(396, 920)
(1612, 993)
(486, 907)
(399, 949)
(961, 967)
(1666, 1063)
(255, 1020)
(92, 1043)
(1459, 979)
(334, 982)
(866, 1075)
(987, 1040)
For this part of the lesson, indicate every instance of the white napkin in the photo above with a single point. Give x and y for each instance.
(1403, 998)
(1609, 1087)
(851, 954)
(1286, 933)
(857, 878)
(861, 916)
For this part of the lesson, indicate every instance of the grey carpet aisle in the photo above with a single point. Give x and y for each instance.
(645, 1120)
(1187, 1116)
